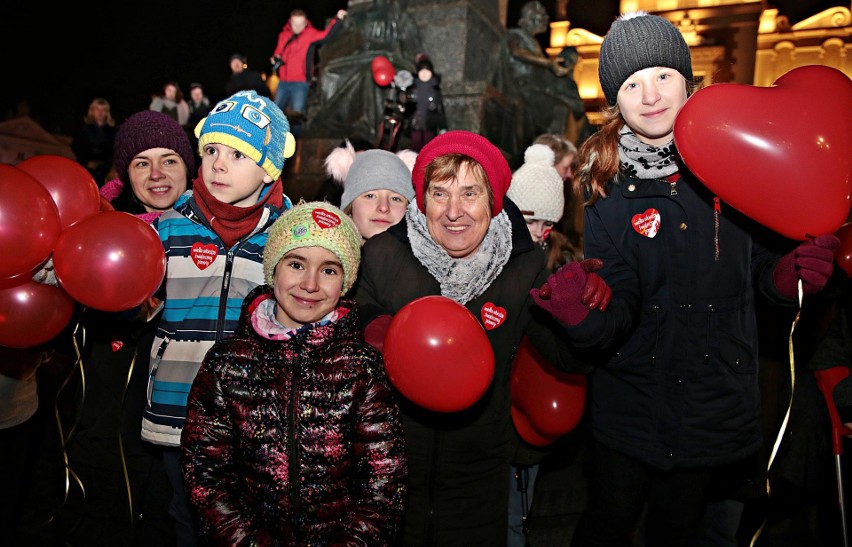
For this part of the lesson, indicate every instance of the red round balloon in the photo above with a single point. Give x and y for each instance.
(546, 403)
(71, 186)
(16, 280)
(111, 261)
(32, 313)
(779, 154)
(383, 71)
(105, 205)
(438, 355)
(29, 222)
(843, 254)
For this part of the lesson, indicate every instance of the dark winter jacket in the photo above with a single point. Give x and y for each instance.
(459, 462)
(429, 112)
(680, 386)
(295, 441)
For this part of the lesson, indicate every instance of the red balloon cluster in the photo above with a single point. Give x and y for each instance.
(546, 403)
(438, 355)
(383, 71)
(786, 148)
(106, 260)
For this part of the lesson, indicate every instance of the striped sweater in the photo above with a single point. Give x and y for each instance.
(205, 286)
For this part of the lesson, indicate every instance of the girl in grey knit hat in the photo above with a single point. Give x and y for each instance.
(377, 186)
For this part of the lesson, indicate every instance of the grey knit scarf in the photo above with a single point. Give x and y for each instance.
(461, 279)
(644, 161)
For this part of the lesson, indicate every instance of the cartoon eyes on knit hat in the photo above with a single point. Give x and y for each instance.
(247, 111)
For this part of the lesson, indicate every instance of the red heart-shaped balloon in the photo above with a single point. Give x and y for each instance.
(781, 155)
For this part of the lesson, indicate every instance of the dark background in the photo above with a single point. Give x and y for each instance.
(124, 51)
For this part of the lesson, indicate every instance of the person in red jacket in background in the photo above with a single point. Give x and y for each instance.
(292, 60)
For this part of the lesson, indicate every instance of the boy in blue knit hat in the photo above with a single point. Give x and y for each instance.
(214, 239)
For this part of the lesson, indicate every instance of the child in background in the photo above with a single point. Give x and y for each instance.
(213, 239)
(292, 434)
(536, 189)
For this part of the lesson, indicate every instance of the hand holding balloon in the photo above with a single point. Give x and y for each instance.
(812, 262)
(572, 291)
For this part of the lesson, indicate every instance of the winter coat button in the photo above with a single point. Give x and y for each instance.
(683, 226)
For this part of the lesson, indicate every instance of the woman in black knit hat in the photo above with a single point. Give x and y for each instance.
(673, 406)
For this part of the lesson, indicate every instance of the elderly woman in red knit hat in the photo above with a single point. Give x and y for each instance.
(460, 239)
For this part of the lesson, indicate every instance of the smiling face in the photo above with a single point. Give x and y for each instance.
(231, 176)
(308, 284)
(157, 178)
(458, 212)
(649, 101)
(377, 210)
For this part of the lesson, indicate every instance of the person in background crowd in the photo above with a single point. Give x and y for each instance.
(213, 240)
(674, 407)
(462, 241)
(93, 141)
(429, 117)
(170, 101)
(199, 107)
(243, 78)
(293, 60)
(329, 467)
(536, 189)
(571, 224)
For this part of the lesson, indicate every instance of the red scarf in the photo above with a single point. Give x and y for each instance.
(232, 223)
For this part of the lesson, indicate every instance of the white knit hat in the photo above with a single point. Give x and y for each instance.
(536, 186)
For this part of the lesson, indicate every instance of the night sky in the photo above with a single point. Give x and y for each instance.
(126, 51)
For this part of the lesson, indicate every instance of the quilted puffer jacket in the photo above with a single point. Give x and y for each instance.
(294, 442)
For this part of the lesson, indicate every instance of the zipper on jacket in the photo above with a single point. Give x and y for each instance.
(223, 294)
(707, 336)
(292, 444)
(155, 365)
(717, 212)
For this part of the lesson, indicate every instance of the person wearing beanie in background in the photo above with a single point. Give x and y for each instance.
(536, 189)
(154, 163)
(429, 116)
(674, 405)
(213, 239)
(571, 224)
(292, 433)
(463, 241)
(376, 191)
(122, 475)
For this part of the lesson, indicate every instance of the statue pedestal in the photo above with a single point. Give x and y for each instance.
(462, 39)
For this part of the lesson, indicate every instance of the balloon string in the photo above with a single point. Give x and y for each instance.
(121, 440)
(64, 440)
(780, 437)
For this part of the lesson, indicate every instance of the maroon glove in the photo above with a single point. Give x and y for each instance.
(374, 332)
(572, 291)
(812, 262)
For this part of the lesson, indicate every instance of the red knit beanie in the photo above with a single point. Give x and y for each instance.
(467, 144)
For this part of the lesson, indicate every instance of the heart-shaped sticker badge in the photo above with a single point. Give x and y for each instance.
(647, 223)
(203, 255)
(492, 315)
